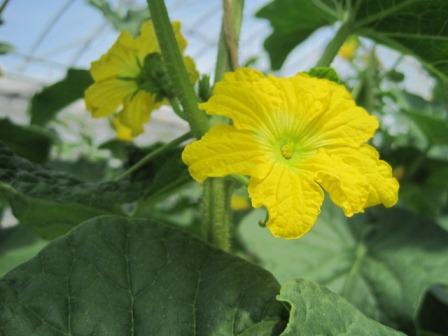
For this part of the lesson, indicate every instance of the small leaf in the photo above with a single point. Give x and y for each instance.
(316, 310)
(115, 276)
(47, 103)
(31, 142)
(5, 48)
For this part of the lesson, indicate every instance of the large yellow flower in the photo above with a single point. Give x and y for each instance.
(122, 84)
(294, 137)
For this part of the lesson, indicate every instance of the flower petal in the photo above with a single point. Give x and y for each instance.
(347, 187)
(355, 178)
(120, 60)
(124, 133)
(137, 110)
(339, 121)
(248, 98)
(383, 187)
(104, 97)
(293, 200)
(225, 150)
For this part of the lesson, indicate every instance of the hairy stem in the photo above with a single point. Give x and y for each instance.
(154, 154)
(335, 44)
(176, 69)
(216, 211)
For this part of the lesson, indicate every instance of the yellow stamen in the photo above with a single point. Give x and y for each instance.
(287, 150)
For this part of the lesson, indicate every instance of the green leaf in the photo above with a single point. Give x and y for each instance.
(130, 21)
(434, 310)
(17, 245)
(31, 189)
(315, 310)
(292, 22)
(47, 103)
(436, 130)
(382, 264)
(31, 142)
(116, 276)
(415, 27)
(47, 218)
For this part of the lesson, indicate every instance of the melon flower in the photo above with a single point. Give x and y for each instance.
(294, 137)
(130, 80)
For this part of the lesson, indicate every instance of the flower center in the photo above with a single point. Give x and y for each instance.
(287, 150)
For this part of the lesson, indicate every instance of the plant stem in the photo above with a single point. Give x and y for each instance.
(216, 211)
(154, 154)
(335, 44)
(177, 109)
(176, 69)
(223, 59)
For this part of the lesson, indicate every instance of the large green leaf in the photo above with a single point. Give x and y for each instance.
(382, 265)
(315, 310)
(415, 27)
(17, 245)
(31, 142)
(52, 99)
(115, 276)
(51, 202)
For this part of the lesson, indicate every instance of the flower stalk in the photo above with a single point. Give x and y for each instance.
(154, 154)
(216, 211)
(335, 44)
(176, 69)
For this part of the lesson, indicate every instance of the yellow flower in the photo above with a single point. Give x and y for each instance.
(124, 133)
(121, 81)
(348, 49)
(294, 137)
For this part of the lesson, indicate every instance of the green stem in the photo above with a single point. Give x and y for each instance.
(3, 6)
(176, 108)
(335, 44)
(223, 59)
(216, 211)
(154, 154)
(176, 69)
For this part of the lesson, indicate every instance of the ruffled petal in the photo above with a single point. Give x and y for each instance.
(147, 40)
(249, 98)
(355, 178)
(104, 97)
(120, 60)
(336, 120)
(293, 200)
(347, 187)
(224, 150)
(137, 110)
(124, 133)
(383, 187)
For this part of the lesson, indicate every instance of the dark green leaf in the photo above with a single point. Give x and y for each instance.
(115, 276)
(17, 245)
(434, 310)
(292, 22)
(315, 310)
(382, 265)
(46, 104)
(415, 27)
(31, 142)
(130, 21)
